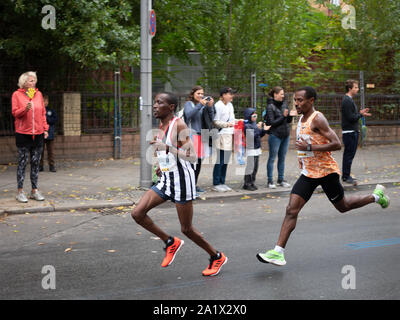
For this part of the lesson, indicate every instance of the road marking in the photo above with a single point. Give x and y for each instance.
(376, 243)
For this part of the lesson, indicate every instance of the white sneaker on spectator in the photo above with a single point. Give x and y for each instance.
(36, 196)
(284, 184)
(21, 197)
(219, 188)
(271, 185)
(226, 187)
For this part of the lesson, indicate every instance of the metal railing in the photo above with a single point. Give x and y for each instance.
(97, 110)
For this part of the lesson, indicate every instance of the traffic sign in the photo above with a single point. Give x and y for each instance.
(153, 25)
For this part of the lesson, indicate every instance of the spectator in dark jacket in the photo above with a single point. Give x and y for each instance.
(51, 117)
(278, 117)
(350, 130)
(254, 132)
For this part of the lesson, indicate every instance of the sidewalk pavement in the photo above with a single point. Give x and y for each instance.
(108, 183)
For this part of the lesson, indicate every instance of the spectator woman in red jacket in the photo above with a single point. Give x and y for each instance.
(30, 129)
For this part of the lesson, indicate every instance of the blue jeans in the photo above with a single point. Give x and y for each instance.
(220, 167)
(277, 147)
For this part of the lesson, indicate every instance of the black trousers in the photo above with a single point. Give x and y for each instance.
(350, 141)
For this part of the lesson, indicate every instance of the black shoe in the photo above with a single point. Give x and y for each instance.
(351, 181)
(249, 187)
(254, 186)
(53, 169)
(40, 168)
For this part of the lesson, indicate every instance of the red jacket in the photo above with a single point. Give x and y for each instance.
(32, 122)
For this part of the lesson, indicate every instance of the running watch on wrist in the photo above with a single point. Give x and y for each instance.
(309, 147)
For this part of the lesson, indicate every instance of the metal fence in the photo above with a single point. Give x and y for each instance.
(97, 110)
(98, 100)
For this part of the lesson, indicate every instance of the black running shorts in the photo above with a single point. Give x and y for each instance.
(305, 186)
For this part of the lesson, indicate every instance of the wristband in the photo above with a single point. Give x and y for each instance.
(309, 147)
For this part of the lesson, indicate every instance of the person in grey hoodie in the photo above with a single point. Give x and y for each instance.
(192, 114)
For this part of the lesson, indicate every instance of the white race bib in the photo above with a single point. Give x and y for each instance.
(304, 154)
(166, 161)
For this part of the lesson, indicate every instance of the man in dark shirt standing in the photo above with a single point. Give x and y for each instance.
(350, 129)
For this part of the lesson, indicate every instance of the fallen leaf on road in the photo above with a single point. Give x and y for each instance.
(111, 251)
(68, 249)
(245, 198)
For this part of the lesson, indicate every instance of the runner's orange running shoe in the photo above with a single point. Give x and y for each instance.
(215, 265)
(171, 251)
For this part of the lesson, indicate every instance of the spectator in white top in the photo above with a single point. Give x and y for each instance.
(224, 120)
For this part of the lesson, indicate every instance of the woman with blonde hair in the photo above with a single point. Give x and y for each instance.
(30, 129)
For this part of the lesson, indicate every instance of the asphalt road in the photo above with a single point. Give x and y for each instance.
(105, 255)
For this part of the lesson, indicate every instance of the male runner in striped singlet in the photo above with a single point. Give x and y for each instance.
(315, 141)
(175, 153)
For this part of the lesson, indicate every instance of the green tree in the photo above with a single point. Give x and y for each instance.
(91, 33)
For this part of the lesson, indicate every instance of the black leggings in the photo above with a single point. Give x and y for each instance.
(35, 153)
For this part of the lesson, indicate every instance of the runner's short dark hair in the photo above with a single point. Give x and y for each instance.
(310, 92)
(171, 98)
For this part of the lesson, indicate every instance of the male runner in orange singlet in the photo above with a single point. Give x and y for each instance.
(315, 141)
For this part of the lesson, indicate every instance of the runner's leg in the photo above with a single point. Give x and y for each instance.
(335, 193)
(185, 214)
(296, 203)
(139, 213)
(353, 202)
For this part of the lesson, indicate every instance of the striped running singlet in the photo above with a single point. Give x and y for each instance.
(178, 180)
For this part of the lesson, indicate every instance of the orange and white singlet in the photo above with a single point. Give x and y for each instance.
(314, 164)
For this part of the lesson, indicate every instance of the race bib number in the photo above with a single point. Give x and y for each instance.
(304, 154)
(166, 161)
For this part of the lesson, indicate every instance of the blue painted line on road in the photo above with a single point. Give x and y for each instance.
(376, 243)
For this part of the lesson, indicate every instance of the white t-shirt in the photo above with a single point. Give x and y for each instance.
(224, 112)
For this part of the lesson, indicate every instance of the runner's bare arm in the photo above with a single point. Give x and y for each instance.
(321, 125)
(182, 137)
